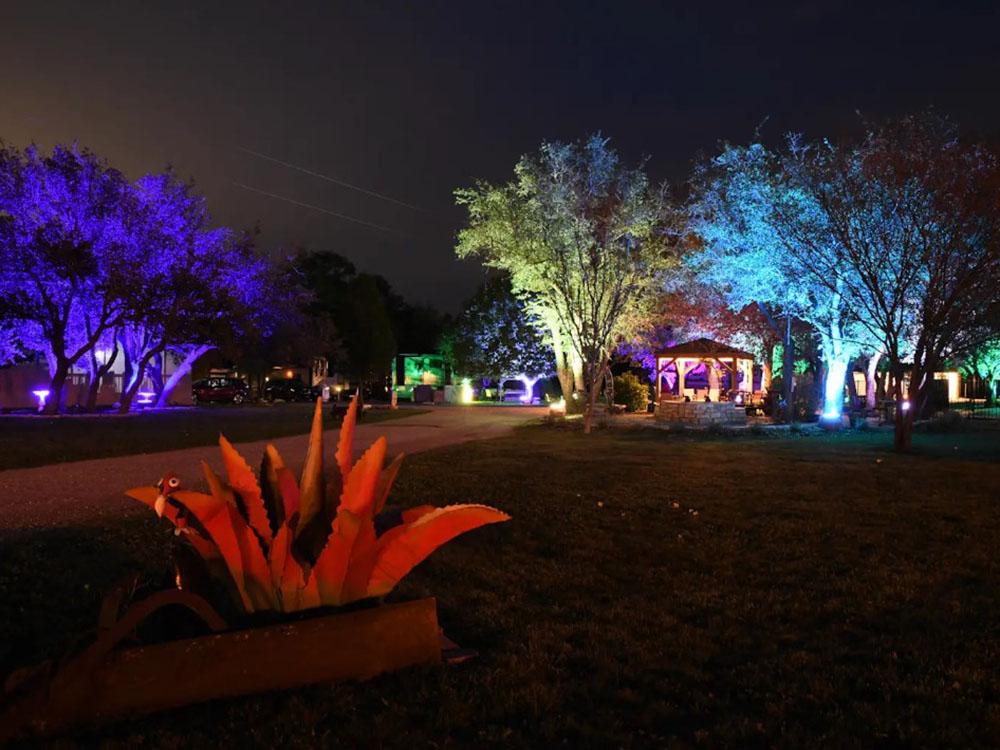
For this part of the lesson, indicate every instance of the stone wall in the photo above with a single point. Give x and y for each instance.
(699, 412)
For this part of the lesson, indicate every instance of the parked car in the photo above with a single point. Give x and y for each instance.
(513, 391)
(290, 389)
(220, 390)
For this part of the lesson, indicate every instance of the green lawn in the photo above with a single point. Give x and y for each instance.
(35, 441)
(827, 593)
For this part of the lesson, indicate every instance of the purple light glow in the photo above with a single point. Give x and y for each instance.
(145, 397)
(41, 395)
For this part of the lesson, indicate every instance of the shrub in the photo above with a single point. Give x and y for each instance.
(632, 392)
(949, 421)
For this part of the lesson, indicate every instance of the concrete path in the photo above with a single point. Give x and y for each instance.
(90, 492)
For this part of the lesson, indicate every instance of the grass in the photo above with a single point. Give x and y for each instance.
(36, 441)
(827, 593)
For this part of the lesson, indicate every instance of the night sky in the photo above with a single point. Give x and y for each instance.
(412, 99)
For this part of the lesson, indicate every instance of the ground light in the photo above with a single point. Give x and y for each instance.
(145, 397)
(465, 392)
(41, 395)
(529, 387)
(558, 408)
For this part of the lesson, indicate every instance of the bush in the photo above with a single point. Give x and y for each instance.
(949, 421)
(632, 392)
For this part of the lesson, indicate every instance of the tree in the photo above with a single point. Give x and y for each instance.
(584, 242)
(356, 303)
(911, 236)
(746, 210)
(984, 362)
(495, 336)
(202, 286)
(65, 255)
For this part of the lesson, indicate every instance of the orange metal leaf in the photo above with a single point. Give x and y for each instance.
(359, 491)
(385, 481)
(256, 574)
(345, 440)
(410, 515)
(289, 489)
(270, 464)
(311, 487)
(400, 549)
(242, 479)
(215, 486)
(332, 565)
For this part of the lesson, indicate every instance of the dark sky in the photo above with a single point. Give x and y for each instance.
(412, 99)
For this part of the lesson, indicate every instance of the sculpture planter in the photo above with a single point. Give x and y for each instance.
(106, 682)
(281, 554)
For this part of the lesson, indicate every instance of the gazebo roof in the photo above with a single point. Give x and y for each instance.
(703, 348)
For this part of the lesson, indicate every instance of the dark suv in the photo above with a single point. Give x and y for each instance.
(220, 391)
(289, 389)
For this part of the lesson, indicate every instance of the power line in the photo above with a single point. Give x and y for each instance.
(334, 180)
(315, 208)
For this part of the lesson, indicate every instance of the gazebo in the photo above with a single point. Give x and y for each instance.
(685, 358)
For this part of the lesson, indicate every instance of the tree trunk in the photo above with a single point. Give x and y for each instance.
(177, 375)
(56, 401)
(788, 370)
(852, 387)
(132, 388)
(902, 438)
(871, 382)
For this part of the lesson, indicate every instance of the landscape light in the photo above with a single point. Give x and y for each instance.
(465, 394)
(288, 374)
(529, 385)
(906, 405)
(558, 408)
(145, 397)
(41, 394)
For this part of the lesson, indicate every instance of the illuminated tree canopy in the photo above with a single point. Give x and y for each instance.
(91, 262)
(495, 336)
(582, 237)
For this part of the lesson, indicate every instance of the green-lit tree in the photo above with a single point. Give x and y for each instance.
(583, 239)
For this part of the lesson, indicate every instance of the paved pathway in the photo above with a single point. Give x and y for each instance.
(84, 492)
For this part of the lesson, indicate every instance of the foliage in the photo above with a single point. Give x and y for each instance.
(911, 236)
(284, 545)
(984, 362)
(631, 391)
(745, 212)
(89, 261)
(496, 336)
(66, 259)
(582, 237)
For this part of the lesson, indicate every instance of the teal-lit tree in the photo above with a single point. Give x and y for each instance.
(984, 362)
(582, 237)
(757, 231)
(910, 235)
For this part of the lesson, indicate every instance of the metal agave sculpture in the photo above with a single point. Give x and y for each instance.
(284, 545)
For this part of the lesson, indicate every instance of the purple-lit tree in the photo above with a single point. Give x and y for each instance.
(65, 261)
(201, 287)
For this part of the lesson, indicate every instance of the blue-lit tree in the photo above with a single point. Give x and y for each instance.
(496, 336)
(910, 236)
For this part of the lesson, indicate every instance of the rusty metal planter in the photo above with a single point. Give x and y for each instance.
(104, 683)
